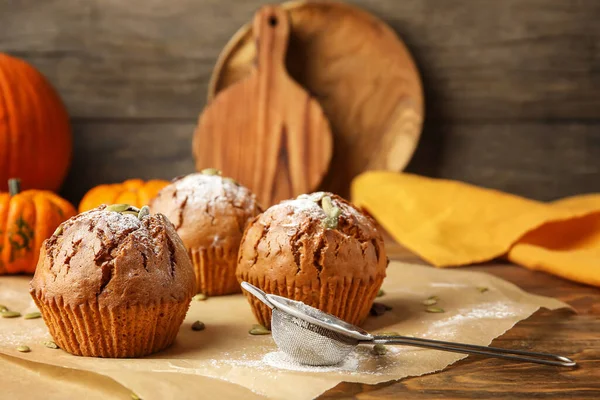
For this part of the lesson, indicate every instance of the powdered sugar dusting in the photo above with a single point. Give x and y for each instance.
(359, 362)
(280, 360)
(200, 188)
(116, 221)
(303, 208)
(211, 194)
(120, 222)
(307, 206)
(200, 184)
(110, 222)
(29, 338)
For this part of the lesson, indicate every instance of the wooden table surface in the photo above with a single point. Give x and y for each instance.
(565, 332)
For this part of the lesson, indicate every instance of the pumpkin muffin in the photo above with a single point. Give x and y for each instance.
(113, 283)
(318, 249)
(210, 213)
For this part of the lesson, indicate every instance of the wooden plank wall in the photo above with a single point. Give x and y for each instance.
(512, 87)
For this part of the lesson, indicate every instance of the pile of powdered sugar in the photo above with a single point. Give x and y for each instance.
(280, 360)
(360, 361)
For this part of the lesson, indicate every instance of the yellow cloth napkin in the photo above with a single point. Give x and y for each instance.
(450, 223)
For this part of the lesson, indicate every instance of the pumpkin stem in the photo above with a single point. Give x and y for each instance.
(14, 186)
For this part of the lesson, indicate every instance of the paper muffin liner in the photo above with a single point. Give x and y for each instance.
(129, 331)
(349, 300)
(215, 270)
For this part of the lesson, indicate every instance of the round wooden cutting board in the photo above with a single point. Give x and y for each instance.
(360, 72)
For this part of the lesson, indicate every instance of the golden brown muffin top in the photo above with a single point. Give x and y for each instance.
(296, 243)
(207, 209)
(116, 259)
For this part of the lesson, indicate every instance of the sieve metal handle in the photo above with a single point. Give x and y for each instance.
(256, 292)
(515, 355)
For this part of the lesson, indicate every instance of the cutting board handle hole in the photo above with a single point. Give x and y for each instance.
(273, 20)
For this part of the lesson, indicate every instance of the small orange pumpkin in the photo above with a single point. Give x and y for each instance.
(135, 192)
(26, 219)
(35, 134)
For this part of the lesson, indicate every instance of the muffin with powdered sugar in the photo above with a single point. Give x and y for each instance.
(318, 249)
(114, 282)
(210, 213)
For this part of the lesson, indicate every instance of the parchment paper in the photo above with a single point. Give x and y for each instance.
(225, 350)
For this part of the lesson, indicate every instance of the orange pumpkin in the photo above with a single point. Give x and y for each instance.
(135, 192)
(26, 219)
(35, 135)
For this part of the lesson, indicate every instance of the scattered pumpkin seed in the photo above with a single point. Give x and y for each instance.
(380, 293)
(259, 330)
(482, 289)
(135, 396)
(10, 314)
(198, 326)
(144, 212)
(117, 207)
(379, 349)
(50, 344)
(429, 302)
(210, 171)
(200, 297)
(32, 315)
(23, 349)
(378, 309)
(3, 308)
(434, 310)
(59, 230)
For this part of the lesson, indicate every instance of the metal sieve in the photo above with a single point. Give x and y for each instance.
(312, 337)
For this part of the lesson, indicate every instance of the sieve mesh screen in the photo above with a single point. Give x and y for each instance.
(307, 343)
